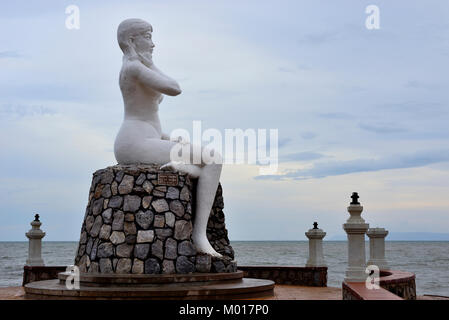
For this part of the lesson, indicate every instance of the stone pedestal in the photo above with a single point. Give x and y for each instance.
(316, 257)
(139, 220)
(35, 236)
(197, 286)
(377, 247)
(356, 228)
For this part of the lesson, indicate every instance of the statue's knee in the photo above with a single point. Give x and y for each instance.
(218, 158)
(212, 156)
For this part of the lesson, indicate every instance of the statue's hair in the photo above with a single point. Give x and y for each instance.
(129, 28)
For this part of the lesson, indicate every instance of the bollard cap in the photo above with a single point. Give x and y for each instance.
(355, 222)
(35, 232)
(315, 233)
(377, 233)
(355, 198)
(36, 223)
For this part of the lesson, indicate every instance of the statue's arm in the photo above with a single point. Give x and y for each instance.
(159, 71)
(154, 80)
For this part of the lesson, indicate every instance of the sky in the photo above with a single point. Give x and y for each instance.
(356, 109)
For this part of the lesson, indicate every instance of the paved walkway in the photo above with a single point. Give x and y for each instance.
(281, 292)
(12, 293)
(291, 292)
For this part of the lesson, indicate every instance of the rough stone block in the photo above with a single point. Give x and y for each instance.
(139, 220)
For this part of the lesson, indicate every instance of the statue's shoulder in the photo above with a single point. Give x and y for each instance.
(131, 68)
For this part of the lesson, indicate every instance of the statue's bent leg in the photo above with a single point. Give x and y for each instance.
(192, 170)
(205, 195)
(208, 175)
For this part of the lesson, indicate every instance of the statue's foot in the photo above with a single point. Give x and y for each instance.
(203, 246)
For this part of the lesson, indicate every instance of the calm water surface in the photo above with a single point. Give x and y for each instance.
(428, 260)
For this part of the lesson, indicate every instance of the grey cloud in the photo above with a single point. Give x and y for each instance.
(217, 93)
(274, 177)
(283, 142)
(304, 67)
(9, 54)
(302, 156)
(415, 107)
(286, 69)
(355, 89)
(318, 38)
(25, 110)
(50, 91)
(382, 128)
(335, 115)
(308, 135)
(336, 168)
(414, 84)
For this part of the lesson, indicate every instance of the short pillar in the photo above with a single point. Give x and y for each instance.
(377, 247)
(316, 257)
(35, 236)
(356, 228)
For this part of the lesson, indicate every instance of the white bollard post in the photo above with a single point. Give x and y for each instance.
(356, 228)
(377, 247)
(35, 236)
(316, 257)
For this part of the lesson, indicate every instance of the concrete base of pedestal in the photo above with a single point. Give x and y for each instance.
(355, 274)
(35, 262)
(180, 287)
(317, 265)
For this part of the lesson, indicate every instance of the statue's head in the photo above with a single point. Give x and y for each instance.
(134, 38)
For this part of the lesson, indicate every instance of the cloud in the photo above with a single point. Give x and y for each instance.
(216, 93)
(308, 135)
(9, 54)
(24, 110)
(335, 115)
(302, 156)
(414, 84)
(318, 38)
(336, 168)
(283, 142)
(383, 128)
(286, 69)
(45, 91)
(416, 107)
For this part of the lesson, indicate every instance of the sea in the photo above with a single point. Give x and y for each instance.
(429, 260)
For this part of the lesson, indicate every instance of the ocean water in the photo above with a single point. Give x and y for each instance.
(428, 260)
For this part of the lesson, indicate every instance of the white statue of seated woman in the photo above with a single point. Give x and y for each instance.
(140, 139)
